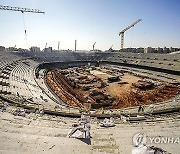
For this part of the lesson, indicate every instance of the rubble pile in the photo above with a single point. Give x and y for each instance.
(144, 84)
(108, 122)
(19, 112)
(3, 106)
(158, 94)
(114, 71)
(101, 99)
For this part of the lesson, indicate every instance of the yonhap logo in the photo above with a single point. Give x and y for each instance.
(164, 140)
(142, 139)
(139, 139)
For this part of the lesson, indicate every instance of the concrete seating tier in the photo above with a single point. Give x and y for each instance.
(8, 62)
(163, 61)
(23, 84)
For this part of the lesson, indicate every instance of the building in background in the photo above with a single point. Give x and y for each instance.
(2, 48)
(35, 49)
(49, 49)
(166, 50)
(12, 49)
(159, 50)
(149, 50)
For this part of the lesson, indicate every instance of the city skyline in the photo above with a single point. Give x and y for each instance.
(91, 21)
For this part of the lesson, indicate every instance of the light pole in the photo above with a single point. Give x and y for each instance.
(58, 45)
(75, 44)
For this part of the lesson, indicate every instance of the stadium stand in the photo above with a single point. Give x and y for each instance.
(164, 67)
(22, 83)
(20, 86)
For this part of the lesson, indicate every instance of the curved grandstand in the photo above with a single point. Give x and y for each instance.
(36, 83)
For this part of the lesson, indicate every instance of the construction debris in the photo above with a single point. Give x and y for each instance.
(82, 129)
(148, 150)
(4, 106)
(143, 84)
(101, 99)
(19, 112)
(156, 150)
(108, 122)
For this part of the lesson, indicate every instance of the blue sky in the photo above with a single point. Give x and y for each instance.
(90, 21)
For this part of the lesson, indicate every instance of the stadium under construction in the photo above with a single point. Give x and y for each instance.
(43, 95)
(89, 102)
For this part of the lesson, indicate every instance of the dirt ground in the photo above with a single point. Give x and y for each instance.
(124, 93)
(118, 90)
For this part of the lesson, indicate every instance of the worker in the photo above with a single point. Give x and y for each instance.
(141, 108)
(18, 94)
(80, 110)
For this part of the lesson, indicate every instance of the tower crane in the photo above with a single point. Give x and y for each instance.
(22, 10)
(121, 33)
(94, 45)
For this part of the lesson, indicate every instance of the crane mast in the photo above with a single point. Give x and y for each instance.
(121, 33)
(94, 45)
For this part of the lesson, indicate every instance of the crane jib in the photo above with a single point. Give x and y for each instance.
(20, 9)
(124, 30)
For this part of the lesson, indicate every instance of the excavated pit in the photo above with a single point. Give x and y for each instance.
(107, 88)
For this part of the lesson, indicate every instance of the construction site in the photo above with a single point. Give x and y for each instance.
(107, 87)
(87, 101)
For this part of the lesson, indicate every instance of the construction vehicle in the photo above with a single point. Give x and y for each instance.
(113, 79)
